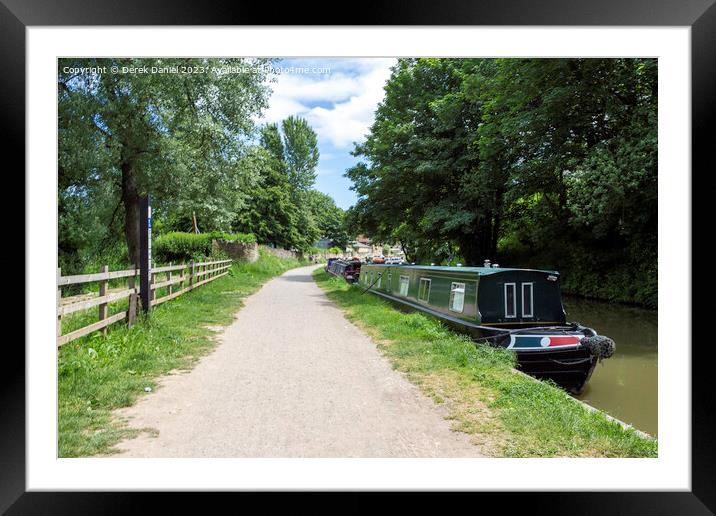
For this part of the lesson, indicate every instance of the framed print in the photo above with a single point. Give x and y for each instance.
(350, 255)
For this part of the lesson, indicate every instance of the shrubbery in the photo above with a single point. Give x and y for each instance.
(625, 276)
(180, 247)
(246, 238)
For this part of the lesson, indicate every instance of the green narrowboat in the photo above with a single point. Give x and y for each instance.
(519, 309)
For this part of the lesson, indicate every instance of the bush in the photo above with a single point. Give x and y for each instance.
(180, 247)
(627, 275)
(246, 238)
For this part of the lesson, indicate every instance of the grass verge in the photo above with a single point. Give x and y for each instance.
(506, 413)
(97, 374)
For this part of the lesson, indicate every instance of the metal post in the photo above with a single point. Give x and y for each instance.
(145, 251)
(59, 300)
(103, 291)
(133, 300)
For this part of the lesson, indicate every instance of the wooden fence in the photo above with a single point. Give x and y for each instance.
(175, 280)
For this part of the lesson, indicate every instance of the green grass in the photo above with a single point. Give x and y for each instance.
(97, 374)
(506, 413)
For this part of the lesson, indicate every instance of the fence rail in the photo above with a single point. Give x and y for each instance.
(176, 279)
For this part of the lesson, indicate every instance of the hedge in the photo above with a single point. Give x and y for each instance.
(180, 247)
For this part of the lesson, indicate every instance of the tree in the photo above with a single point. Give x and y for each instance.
(329, 218)
(582, 140)
(179, 137)
(300, 148)
(270, 213)
(548, 163)
(284, 209)
(423, 170)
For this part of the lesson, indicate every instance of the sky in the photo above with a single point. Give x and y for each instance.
(338, 98)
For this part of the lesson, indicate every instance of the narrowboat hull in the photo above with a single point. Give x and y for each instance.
(570, 369)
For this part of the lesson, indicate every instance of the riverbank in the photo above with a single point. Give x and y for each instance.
(508, 414)
(97, 375)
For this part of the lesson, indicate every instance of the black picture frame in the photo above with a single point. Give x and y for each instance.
(700, 15)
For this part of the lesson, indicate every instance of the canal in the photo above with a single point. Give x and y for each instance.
(625, 385)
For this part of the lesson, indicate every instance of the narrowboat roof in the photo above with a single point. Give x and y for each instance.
(481, 271)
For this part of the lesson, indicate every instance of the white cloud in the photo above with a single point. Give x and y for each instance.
(323, 171)
(329, 88)
(348, 96)
(281, 107)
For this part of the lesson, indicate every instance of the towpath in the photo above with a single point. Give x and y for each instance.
(291, 377)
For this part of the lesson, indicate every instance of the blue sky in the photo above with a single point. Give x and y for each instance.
(339, 104)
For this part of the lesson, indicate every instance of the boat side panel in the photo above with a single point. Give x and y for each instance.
(440, 284)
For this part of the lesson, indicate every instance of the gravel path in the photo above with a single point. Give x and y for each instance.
(291, 377)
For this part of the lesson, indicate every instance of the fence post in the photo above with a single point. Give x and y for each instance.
(59, 298)
(133, 297)
(103, 292)
(191, 274)
(169, 278)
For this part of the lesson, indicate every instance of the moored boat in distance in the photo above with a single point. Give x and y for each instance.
(518, 309)
(346, 269)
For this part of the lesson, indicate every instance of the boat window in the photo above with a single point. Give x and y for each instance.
(510, 300)
(404, 283)
(527, 300)
(457, 297)
(424, 290)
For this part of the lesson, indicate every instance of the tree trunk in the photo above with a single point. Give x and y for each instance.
(130, 199)
(496, 224)
(495, 236)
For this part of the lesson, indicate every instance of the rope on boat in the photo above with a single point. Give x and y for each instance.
(572, 362)
(380, 274)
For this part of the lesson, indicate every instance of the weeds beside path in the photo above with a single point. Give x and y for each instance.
(507, 413)
(99, 374)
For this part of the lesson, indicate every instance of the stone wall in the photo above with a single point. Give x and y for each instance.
(237, 250)
(282, 253)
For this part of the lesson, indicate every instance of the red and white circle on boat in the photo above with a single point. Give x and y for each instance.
(559, 340)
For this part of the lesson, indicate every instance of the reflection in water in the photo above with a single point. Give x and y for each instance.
(624, 385)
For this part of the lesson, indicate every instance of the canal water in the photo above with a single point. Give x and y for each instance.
(625, 385)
